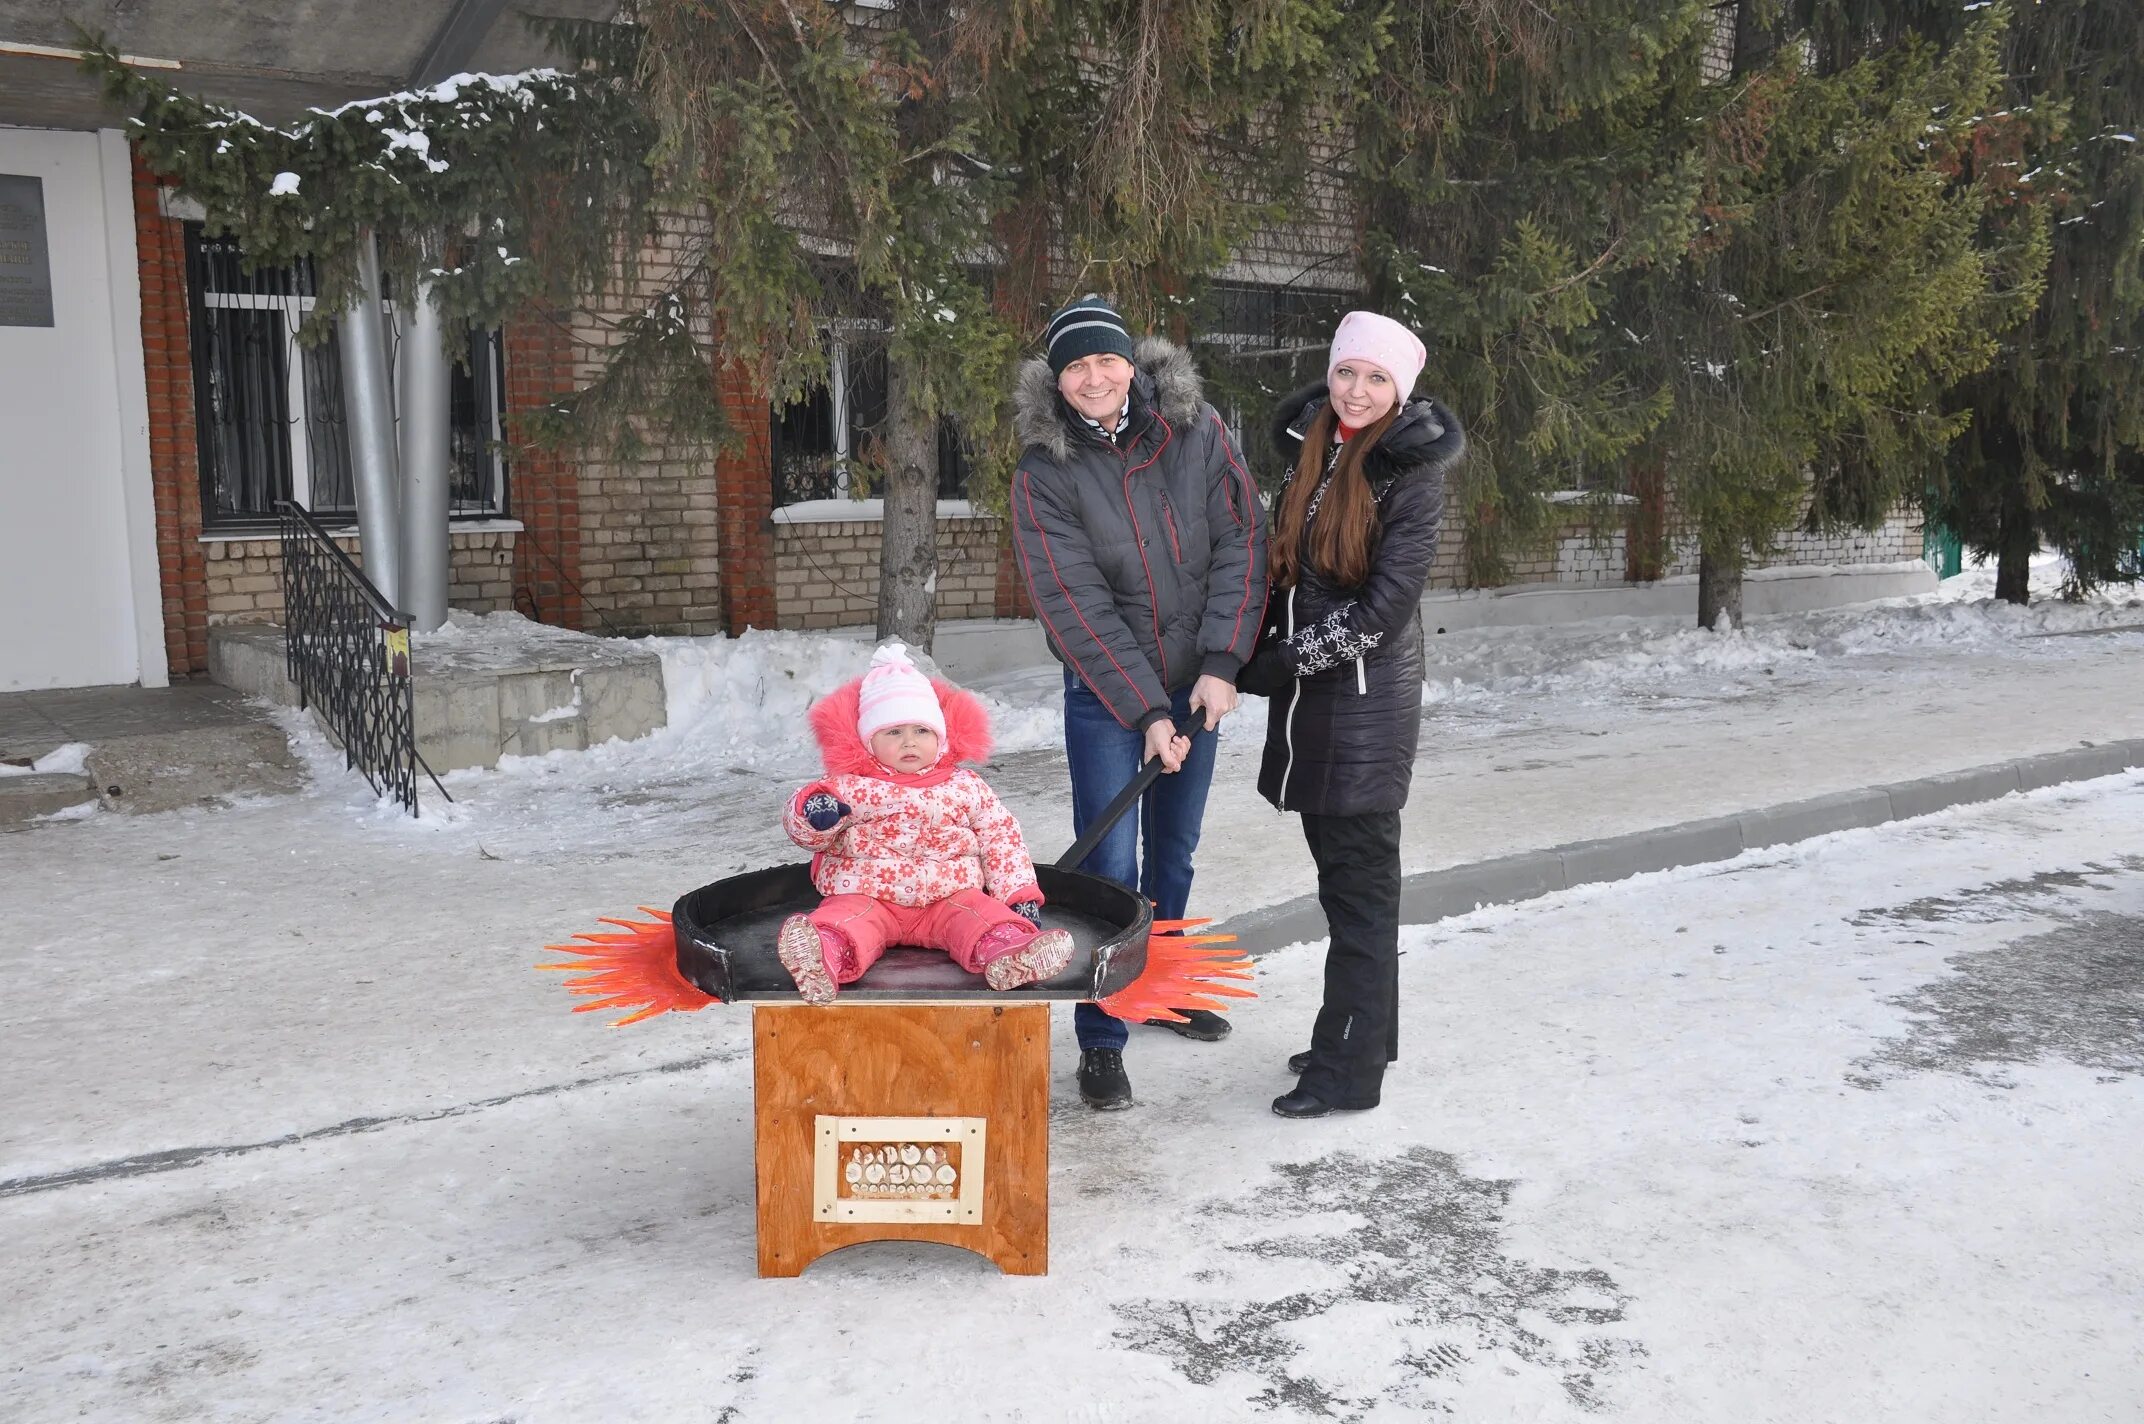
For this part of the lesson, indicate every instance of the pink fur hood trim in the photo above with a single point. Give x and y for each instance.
(833, 721)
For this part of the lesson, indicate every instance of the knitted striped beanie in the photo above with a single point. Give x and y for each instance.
(1084, 328)
(895, 693)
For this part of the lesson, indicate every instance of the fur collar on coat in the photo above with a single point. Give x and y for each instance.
(1426, 434)
(844, 753)
(1165, 380)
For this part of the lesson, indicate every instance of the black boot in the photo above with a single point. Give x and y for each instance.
(1305, 1103)
(1102, 1080)
(1202, 1024)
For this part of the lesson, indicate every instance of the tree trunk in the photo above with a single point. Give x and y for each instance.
(2013, 556)
(1719, 589)
(908, 551)
(1645, 527)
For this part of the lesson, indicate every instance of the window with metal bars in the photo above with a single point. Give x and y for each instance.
(269, 411)
(818, 439)
(1255, 344)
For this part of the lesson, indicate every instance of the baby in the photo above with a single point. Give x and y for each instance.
(910, 847)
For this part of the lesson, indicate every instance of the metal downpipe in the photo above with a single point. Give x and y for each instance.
(426, 463)
(368, 402)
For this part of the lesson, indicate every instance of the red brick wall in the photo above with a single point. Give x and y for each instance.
(1012, 589)
(161, 252)
(744, 504)
(544, 489)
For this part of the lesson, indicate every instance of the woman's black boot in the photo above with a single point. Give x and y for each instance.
(1304, 1103)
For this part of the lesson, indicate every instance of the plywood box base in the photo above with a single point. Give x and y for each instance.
(902, 1122)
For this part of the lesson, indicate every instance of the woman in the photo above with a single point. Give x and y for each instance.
(1354, 534)
(1144, 549)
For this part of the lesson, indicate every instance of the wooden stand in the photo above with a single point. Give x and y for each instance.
(902, 1122)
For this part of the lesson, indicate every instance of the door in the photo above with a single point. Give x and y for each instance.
(68, 592)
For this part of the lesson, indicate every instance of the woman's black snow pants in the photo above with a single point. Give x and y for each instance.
(1358, 1032)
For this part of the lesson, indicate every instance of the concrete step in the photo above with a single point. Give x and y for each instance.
(163, 771)
(31, 794)
(528, 690)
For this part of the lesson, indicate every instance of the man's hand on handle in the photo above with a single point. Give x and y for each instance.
(1215, 696)
(1162, 742)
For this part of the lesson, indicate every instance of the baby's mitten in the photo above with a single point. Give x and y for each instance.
(1028, 910)
(824, 810)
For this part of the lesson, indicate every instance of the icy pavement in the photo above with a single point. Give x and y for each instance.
(294, 1131)
(1841, 1132)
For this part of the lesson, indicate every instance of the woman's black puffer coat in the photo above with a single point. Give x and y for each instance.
(1344, 665)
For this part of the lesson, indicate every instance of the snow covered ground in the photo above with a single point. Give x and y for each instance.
(1843, 1132)
(1839, 1133)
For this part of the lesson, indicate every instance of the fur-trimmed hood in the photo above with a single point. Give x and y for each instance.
(1164, 379)
(843, 752)
(1426, 434)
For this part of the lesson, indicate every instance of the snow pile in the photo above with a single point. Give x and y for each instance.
(1668, 655)
(742, 701)
(73, 757)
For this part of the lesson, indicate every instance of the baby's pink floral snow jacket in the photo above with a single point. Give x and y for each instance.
(911, 840)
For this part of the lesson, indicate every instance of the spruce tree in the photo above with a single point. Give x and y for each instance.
(1509, 164)
(497, 194)
(847, 168)
(2054, 455)
(1839, 282)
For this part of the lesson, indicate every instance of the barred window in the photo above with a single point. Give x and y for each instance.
(1255, 345)
(819, 439)
(269, 412)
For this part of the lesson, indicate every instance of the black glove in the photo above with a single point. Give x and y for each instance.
(824, 810)
(1266, 674)
(1030, 911)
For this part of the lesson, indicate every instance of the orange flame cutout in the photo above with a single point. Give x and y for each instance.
(636, 970)
(1182, 970)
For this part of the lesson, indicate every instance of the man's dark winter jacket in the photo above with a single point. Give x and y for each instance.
(1344, 665)
(1145, 556)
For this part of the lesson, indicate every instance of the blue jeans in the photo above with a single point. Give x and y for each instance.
(1104, 756)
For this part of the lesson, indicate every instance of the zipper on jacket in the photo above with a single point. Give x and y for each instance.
(1362, 680)
(1287, 726)
(1168, 519)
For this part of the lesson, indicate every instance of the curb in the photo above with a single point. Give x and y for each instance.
(1432, 895)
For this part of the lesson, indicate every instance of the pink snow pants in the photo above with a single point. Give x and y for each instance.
(970, 926)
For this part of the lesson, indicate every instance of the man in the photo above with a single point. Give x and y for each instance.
(1143, 544)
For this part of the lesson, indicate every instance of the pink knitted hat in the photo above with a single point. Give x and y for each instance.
(895, 693)
(1381, 341)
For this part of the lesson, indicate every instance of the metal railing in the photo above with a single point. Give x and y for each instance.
(348, 653)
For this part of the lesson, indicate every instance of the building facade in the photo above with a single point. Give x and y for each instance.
(158, 402)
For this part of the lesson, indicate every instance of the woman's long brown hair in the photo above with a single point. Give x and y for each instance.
(1344, 538)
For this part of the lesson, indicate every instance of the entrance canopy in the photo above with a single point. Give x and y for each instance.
(271, 58)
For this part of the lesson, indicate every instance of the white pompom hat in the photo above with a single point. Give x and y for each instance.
(895, 693)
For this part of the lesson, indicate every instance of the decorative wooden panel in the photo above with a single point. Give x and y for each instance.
(902, 1122)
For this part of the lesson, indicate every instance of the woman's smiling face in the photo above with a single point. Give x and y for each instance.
(1362, 392)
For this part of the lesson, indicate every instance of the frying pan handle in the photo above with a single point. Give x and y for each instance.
(1114, 811)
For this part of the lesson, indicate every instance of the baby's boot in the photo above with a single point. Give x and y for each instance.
(803, 953)
(1040, 958)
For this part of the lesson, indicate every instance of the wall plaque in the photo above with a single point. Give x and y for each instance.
(25, 254)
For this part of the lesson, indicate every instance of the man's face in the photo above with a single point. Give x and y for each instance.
(1095, 385)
